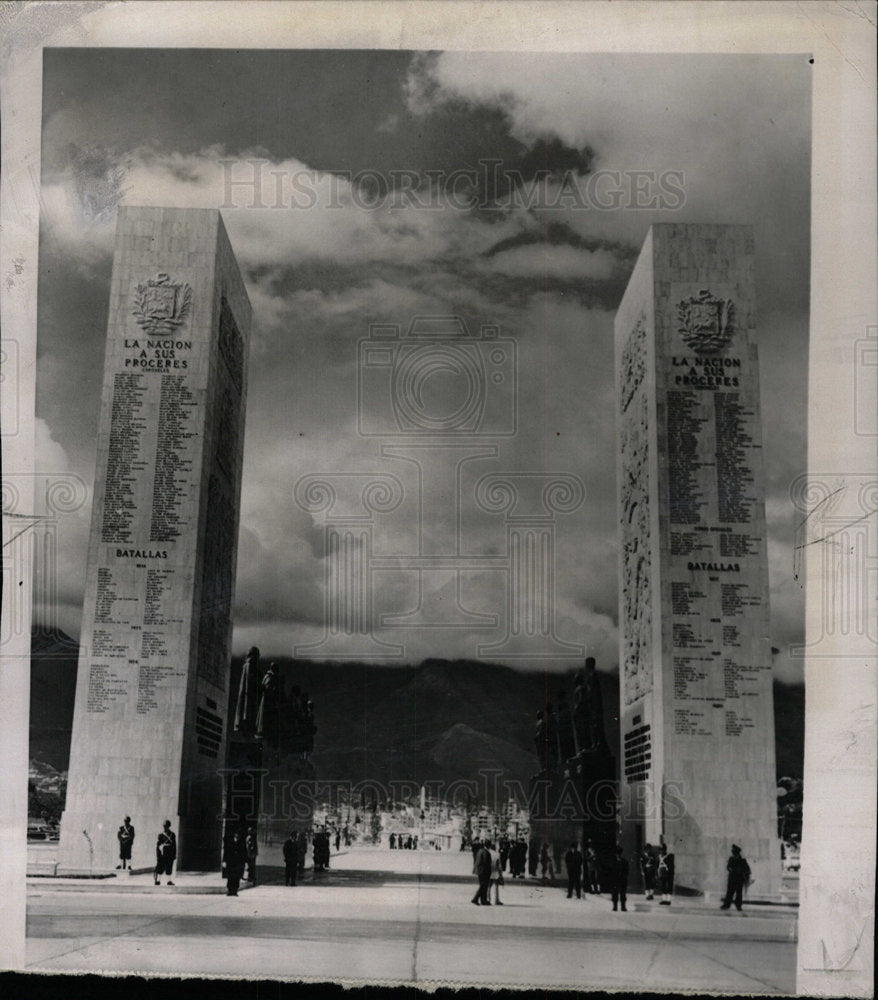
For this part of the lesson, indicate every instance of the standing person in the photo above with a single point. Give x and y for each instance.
(165, 853)
(573, 862)
(522, 857)
(301, 850)
(234, 859)
(592, 873)
(483, 873)
(291, 858)
(619, 879)
(503, 847)
(665, 875)
(533, 855)
(392, 841)
(126, 842)
(337, 840)
(739, 876)
(545, 860)
(514, 858)
(647, 868)
(498, 881)
(252, 847)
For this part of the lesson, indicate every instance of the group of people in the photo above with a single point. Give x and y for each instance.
(590, 868)
(517, 854)
(583, 872)
(165, 850)
(240, 850)
(295, 848)
(657, 869)
(486, 869)
(615, 875)
(407, 843)
(321, 848)
(509, 851)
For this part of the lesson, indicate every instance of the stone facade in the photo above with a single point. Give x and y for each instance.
(150, 717)
(697, 723)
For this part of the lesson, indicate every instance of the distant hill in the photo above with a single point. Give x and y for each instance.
(52, 694)
(443, 720)
(789, 729)
(439, 721)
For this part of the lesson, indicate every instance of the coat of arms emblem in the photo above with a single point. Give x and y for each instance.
(706, 322)
(161, 307)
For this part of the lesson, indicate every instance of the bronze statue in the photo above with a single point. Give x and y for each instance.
(566, 741)
(246, 707)
(579, 710)
(269, 703)
(552, 755)
(588, 709)
(540, 738)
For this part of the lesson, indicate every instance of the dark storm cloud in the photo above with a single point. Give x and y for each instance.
(561, 234)
(502, 288)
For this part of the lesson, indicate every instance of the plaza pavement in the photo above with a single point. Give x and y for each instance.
(404, 917)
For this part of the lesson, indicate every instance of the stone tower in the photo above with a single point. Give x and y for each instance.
(149, 734)
(696, 705)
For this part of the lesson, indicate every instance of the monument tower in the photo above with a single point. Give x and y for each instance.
(149, 736)
(696, 700)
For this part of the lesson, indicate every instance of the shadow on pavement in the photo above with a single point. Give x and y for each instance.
(351, 878)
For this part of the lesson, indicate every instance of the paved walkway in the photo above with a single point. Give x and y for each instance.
(404, 917)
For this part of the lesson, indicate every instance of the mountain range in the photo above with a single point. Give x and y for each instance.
(438, 721)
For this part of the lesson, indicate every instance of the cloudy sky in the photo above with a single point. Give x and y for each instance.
(508, 190)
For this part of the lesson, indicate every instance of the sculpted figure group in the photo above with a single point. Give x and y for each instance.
(565, 731)
(266, 711)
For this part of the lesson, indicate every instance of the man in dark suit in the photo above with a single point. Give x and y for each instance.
(619, 879)
(291, 859)
(573, 862)
(483, 873)
(739, 876)
(251, 845)
(234, 859)
(503, 847)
